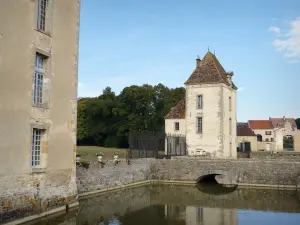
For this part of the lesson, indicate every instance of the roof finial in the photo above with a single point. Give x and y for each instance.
(198, 57)
(208, 49)
(214, 52)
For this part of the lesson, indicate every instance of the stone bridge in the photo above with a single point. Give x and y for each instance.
(255, 172)
(259, 172)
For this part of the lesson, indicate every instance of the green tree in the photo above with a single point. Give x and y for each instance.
(82, 132)
(298, 123)
(107, 119)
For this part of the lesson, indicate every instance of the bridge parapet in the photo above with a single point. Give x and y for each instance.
(256, 172)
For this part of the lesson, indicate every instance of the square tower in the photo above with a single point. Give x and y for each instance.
(210, 112)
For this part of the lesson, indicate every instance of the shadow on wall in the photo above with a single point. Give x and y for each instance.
(209, 185)
(208, 179)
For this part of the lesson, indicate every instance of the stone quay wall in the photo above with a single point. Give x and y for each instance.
(30, 194)
(96, 178)
(24, 195)
(276, 155)
(252, 172)
(262, 172)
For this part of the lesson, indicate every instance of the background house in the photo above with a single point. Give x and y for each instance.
(287, 136)
(265, 134)
(207, 115)
(276, 134)
(246, 138)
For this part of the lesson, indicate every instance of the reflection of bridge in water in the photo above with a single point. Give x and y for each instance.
(239, 198)
(182, 205)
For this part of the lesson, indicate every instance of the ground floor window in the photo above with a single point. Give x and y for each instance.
(36, 148)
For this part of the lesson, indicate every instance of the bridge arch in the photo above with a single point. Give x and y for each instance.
(220, 176)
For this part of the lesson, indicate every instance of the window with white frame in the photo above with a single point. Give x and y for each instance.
(38, 79)
(41, 14)
(199, 125)
(177, 126)
(199, 102)
(36, 148)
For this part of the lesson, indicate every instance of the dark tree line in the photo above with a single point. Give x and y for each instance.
(107, 119)
(298, 123)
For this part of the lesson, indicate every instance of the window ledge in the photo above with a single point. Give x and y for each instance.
(43, 32)
(40, 105)
(38, 170)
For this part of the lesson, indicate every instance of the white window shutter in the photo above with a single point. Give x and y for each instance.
(32, 91)
(46, 91)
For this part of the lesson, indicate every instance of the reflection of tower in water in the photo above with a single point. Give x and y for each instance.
(175, 212)
(196, 215)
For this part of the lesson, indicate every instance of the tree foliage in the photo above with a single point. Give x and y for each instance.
(298, 123)
(107, 119)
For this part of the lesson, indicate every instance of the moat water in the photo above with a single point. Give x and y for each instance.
(185, 205)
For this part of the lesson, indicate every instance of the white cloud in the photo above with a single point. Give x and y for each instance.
(289, 43)
(85, 91)
(276, 30)
(241, 89)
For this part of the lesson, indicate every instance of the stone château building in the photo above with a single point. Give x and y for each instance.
(207, 114)
(38, 105)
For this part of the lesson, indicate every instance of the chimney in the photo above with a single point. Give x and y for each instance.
(198, 60)
(283, 118)
(229, 76)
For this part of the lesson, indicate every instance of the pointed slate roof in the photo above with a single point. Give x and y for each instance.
(209, 71)
(178, 111)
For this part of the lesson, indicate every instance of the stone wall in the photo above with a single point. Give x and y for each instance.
(96, 178)
(276, 155)
(268, 172)
(28, 194)
(263, 146)
(248, 171)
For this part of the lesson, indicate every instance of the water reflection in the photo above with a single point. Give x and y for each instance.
(186, 205)
(216, 189)
(195, 215)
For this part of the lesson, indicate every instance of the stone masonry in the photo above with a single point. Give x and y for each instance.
(189, 169)
(247, 171)
(24, 195)
(97, 178)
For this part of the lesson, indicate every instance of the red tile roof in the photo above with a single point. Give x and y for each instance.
(260, 124)
(279, 122)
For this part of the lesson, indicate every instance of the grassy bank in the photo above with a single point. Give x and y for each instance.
(88, 153)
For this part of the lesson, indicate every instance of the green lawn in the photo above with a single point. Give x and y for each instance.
(88, 153)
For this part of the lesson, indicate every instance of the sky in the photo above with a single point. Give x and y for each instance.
(137, 42)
